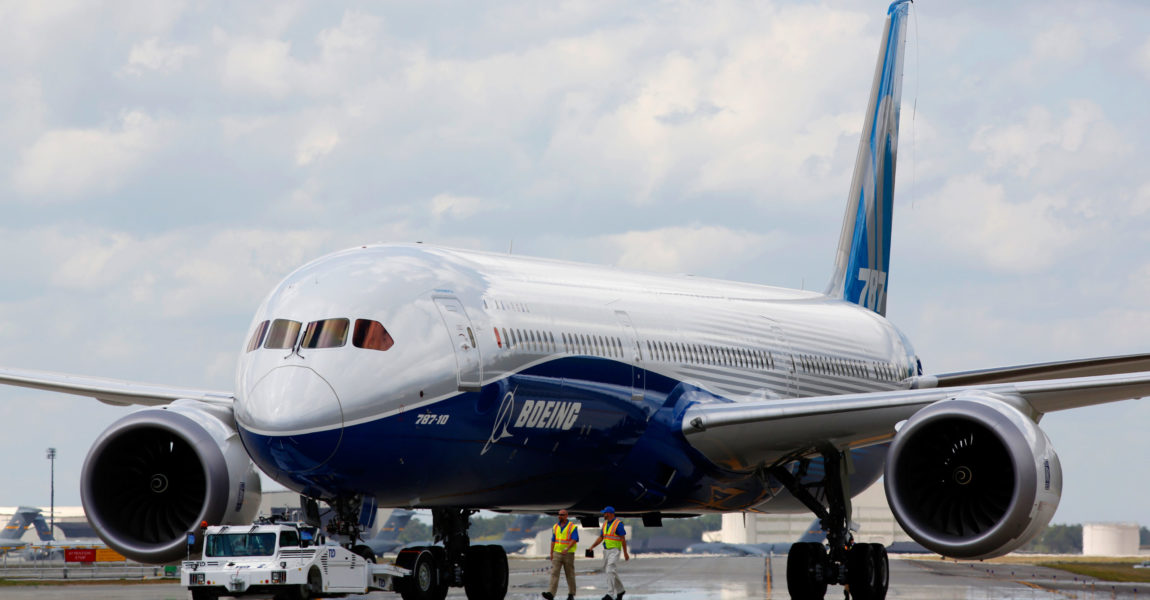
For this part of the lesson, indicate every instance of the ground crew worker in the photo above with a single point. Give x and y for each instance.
(564, 538)
(614, 538)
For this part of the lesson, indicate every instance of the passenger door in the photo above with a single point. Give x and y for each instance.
(634, 353)
(467, 359)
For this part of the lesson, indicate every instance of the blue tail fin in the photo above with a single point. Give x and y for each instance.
(520, 528)
(23, 518)
(815, 532)
(861, 263)
(395, 524)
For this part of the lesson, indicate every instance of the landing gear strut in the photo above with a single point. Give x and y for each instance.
(345, 523)
(863, 568)
(480, 570)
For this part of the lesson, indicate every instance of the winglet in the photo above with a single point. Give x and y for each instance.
(861, 263)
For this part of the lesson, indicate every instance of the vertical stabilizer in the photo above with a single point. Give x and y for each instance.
(862, 260)
(520, 528)
(23, 518)
(15, 528)
(42, 528)
(395, 524)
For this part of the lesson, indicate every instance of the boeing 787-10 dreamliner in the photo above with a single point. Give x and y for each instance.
(416, 376)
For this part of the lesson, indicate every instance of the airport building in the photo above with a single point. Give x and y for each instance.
(871, 512)
(1110, 539)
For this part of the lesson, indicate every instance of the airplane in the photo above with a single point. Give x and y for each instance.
(24, 517)
(515, 538)
(78, 535)
(418, 376)
(387, 540)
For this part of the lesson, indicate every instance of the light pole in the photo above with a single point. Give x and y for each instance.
(52, 497)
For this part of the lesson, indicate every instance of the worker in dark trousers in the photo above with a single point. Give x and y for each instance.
(564, 538)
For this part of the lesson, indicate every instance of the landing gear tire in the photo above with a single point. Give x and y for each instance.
(314, 586)
(423, 583)
(444, 570)
(365, 551)
(485, 573)
(868, 571)
(807, 571)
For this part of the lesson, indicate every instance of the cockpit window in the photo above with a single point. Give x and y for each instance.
(283, 334)
(371, 335)
(329, 333)
(258, 336)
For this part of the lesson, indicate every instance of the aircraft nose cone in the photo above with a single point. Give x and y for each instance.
(298, 415)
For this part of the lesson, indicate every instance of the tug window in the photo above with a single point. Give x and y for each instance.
(329, 333)
(258, 336)
(372, 335)
(283, 334)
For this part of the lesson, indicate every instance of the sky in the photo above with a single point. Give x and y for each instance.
(163, 165)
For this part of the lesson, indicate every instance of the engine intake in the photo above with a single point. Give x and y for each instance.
(154, 475)
(972, 477)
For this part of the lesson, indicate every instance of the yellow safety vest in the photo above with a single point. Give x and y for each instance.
(610, 539)
(563, 542)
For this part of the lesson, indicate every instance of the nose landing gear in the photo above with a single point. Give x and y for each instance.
(863, 568)
(480, 570)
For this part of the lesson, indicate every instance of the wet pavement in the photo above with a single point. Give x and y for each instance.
(678, 577)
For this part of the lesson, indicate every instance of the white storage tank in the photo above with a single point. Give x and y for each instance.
(1110, 539)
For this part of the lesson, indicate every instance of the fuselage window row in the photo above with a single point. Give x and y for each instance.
(847, 367)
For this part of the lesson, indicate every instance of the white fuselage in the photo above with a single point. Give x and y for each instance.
(476, 323)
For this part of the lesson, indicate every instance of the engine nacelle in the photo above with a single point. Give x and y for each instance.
(156, 474)
(972, 477)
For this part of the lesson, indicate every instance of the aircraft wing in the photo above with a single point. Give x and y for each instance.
(744, 435)
(110, 391)
(1088, 367)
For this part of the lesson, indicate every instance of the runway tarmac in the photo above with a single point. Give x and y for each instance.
(677, 577)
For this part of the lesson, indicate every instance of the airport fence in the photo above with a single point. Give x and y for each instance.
(58, 571)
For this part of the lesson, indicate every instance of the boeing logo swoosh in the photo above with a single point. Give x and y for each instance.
(502, 422)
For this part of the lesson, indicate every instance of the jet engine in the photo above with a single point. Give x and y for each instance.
(972, 477)
(153, 476)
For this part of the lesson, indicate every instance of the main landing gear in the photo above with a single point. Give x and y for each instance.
(811, 567)
(480, 570)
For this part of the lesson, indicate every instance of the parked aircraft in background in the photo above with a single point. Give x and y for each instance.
(387, 540)
(518, 532)
(47, 547)
(11, 538)
(408, 375)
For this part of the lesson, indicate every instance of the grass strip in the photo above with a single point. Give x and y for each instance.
(1107, 571)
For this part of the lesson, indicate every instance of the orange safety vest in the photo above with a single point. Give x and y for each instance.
(610, 539)
(563, 542)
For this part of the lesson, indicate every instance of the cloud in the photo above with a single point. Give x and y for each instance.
(976, 223)
(1141, 203)
(316, 144)
(455, 207)
(262, 66)
(1142, 58)
(1060, 42)
(67, 163)
(684, 249)
(347, 59)
(1051, 148)
(153, 55)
